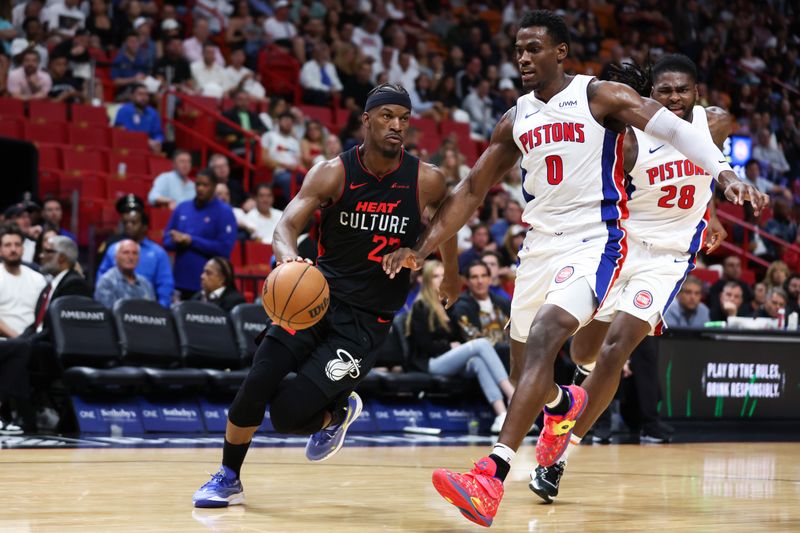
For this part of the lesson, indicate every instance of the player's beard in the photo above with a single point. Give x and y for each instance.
(390, 153)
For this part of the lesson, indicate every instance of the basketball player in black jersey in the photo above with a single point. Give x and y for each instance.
(372, 199)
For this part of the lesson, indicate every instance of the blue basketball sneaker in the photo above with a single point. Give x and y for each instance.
(326, 442)
(223, 490)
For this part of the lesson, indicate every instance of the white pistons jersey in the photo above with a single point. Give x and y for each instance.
(572, 167)
(668, 195)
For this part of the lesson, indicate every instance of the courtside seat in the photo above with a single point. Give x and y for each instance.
(249, 320)
(395, 352)
(147, 337)
(225, 381)
(83, 335)
(452, 385)
(205, 336)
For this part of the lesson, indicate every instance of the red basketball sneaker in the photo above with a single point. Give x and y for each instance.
(477, 493)
(557, 429)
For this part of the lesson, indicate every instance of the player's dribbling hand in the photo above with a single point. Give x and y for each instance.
(289, 259)
(449, 290)
(400, 259)
(716, 235)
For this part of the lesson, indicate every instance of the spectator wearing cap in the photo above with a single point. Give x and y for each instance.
(19, 215)
(173, 187)
(128, 67)
(208, 75)
(33, 38)
(193, 47)
(318, 77)
(147, 52)
(122, 282)
(66, 87)
(52, 213)
(278, 27)
(281, 152)
(153, 265)
(64, 18)
(137, 115)
(173, 67)
(28, 82)
(198, 230)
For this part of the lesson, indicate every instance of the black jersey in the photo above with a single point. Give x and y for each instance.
(373, 217)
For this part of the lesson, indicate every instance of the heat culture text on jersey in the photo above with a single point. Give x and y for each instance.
(375, 216)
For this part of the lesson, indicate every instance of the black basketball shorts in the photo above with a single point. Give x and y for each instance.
(338, 351)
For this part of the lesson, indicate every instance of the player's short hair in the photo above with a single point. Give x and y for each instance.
(673, 63)
(545, 18)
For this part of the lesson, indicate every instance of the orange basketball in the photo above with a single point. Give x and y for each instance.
(296, 295)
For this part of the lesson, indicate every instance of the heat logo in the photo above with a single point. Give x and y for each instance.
(345, 365)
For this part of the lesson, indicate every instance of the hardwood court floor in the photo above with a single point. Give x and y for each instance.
(680, 487)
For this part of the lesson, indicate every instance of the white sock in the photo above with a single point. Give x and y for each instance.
(574, 442)
(555, 402)
(587, 369)
(504, 452)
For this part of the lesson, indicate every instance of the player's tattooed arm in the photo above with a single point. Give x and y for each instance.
(322, 187)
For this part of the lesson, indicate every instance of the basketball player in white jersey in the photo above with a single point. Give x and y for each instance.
(669, 201)
(569, 131)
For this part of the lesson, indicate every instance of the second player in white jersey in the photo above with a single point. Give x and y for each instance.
(668, 195)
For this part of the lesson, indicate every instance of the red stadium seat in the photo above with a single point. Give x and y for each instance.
(89, 185)
(158, 165)
(257, 253)
(49, 156)
(85, 115)
(707, 275)
(11, 107)
(323, 115)
(44, 110)
(94, 136)
(117, 188)
(11, 127)
(49, 182)
(85, 160)
(130, 140)
(46, 132)
(135, 164)
(159, 217)
(236, 255)
(463, 137)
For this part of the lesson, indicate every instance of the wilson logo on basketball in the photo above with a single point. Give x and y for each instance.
(345, 365)
(315, 311)
(564, 274)
(643, 299)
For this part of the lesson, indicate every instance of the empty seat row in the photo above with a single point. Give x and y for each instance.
(47, 110)
(139, 342)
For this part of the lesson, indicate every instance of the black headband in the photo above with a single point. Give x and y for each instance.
(388, 97)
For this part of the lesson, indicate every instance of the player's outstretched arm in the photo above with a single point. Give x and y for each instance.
(611, 101)
(494, 163)
(322, 186)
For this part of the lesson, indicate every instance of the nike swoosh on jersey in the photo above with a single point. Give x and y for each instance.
(354, 186)
(654, 150)
(531, 114)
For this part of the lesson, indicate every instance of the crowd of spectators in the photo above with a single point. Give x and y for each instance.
(456, 59)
